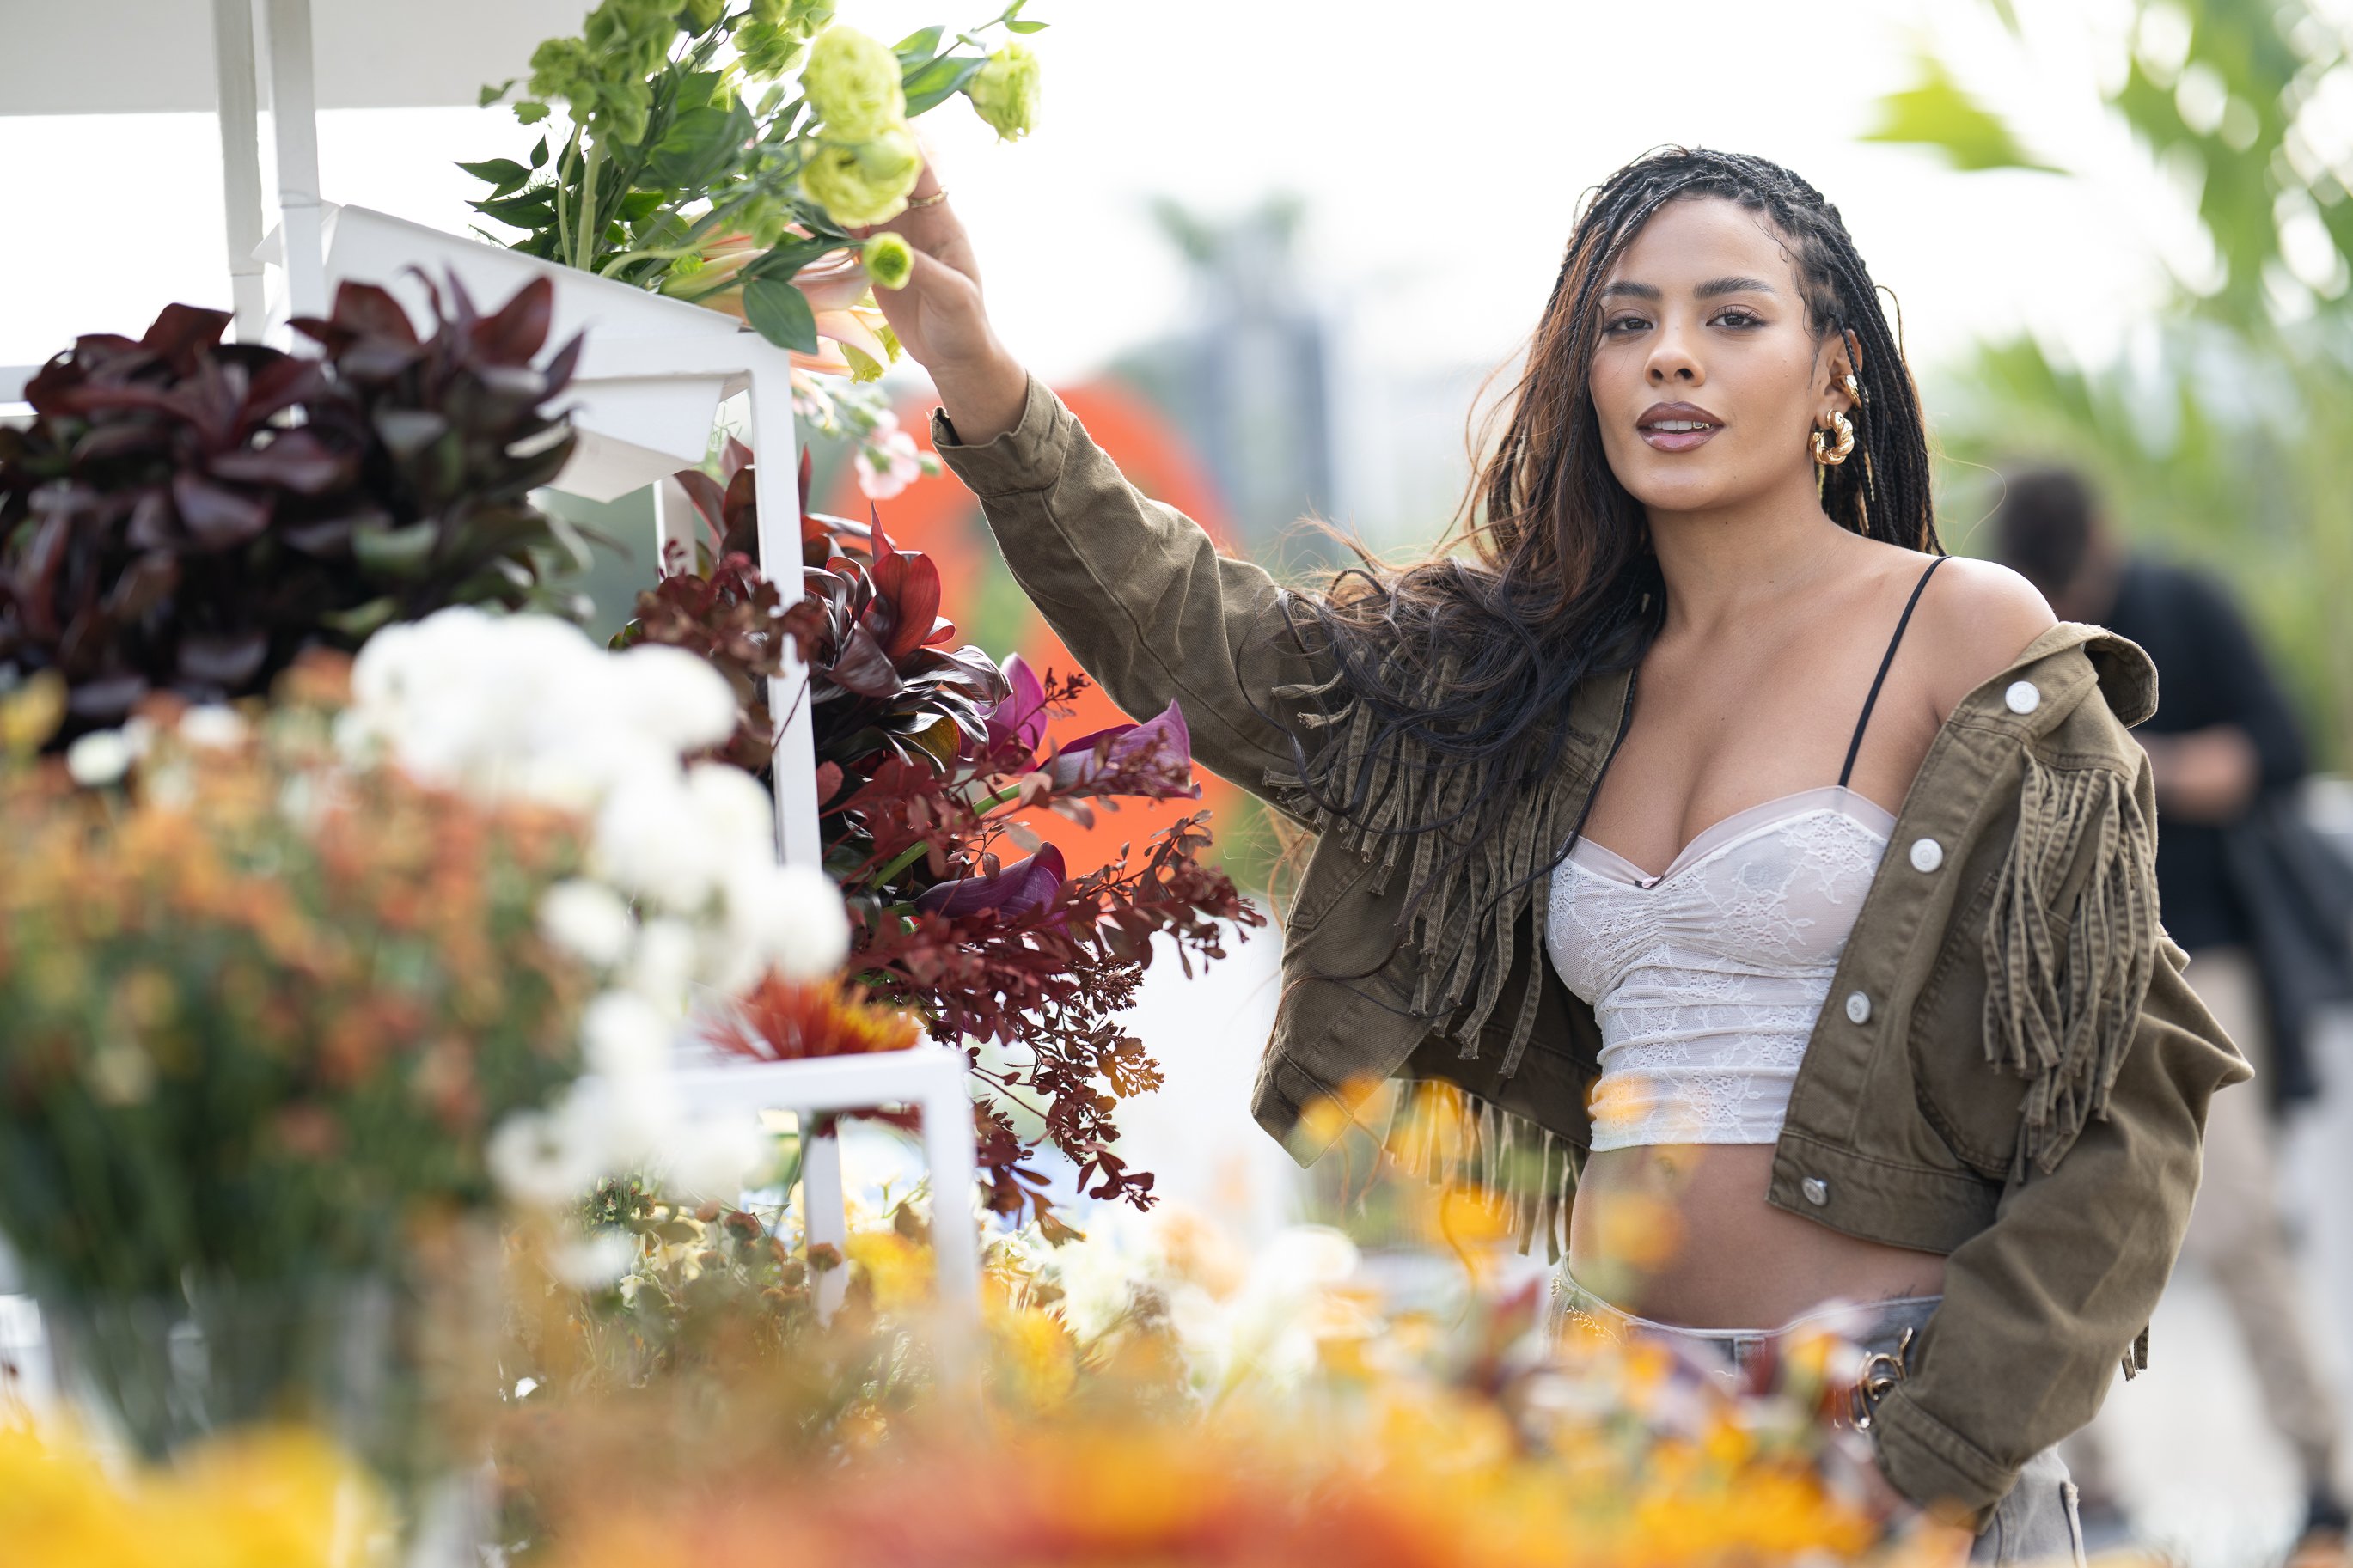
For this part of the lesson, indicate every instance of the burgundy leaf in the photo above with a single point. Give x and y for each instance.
(181, 332)
(296, 460)
(518, 329)
(107, 700)
(862, 668)
(143, 584)
(215, 517)
(224, 659)
(153, 525)
(371, 310)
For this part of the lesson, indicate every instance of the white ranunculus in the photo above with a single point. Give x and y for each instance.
(100, 757)
(624, 1036)
(588, 919)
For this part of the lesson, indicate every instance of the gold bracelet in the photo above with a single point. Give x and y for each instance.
(916, 203)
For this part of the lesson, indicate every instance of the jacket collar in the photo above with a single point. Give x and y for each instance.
(2067, 662)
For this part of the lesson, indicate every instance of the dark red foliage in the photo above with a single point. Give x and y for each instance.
(188, 515)
(927, 760)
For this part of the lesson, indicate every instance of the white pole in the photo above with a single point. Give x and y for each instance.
(294, 120)
(240, 137)
(777, 478)
(825, 1212)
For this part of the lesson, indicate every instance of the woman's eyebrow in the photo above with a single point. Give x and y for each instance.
(1716, 286)
(1621, 287)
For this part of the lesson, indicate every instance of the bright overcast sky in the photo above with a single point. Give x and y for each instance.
(1441, 149)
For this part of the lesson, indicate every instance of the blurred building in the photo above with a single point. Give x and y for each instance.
(1249, 379)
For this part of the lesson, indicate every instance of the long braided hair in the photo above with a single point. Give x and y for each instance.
(1464, 662)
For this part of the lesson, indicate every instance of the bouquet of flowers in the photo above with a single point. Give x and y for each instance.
(718, 152)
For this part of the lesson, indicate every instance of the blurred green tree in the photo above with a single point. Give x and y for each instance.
(2231, 443)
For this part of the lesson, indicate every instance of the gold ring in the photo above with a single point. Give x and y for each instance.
(915, 204)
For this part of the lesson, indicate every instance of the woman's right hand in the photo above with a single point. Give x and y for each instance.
(943, 324)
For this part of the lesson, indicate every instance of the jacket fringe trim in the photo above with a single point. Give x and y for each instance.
(1519, 1170)
(2060, 1011)
(1464, 929)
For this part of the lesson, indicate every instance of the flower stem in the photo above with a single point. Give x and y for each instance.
(585, 255)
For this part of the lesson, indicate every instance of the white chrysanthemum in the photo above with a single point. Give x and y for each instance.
(214, 727)
(544, 1159)
(588, 919)
(100, 757)
(624, 1036)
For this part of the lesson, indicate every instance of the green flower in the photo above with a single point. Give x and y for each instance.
(1004, 91)
(890, 262)
(701, 15)
(853, 82)
(866, 182)
(768, 51)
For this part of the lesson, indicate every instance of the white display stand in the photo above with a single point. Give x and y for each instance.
(644, 395)
(929, 1078)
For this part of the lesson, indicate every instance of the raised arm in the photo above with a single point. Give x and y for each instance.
(1134, 589)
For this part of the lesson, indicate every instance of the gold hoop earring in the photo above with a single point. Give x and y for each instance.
(1827, 455)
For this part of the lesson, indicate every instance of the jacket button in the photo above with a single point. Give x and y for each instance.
(1858, 1009)
(2023, 697)
(1926, 854)
(1817, 1191)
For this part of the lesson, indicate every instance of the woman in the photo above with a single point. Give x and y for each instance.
(1605, 805)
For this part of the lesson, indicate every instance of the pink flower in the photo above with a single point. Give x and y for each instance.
(840, 294)
(887, 462)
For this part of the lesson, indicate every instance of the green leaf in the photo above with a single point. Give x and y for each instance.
(532, 209)
(639, 206)
(917, 48)
(504, 174)
(787, 258)
(780, 314)
(1027, 26)
(701, 143)
(539, 154)
(2008, 13)
(491, 95)
(935, 83)
(1940, 113)
(362, 620)
(395, 551)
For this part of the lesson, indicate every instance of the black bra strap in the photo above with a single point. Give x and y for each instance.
(1855, 745)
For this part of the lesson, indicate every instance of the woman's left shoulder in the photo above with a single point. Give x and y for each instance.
(1974, 620)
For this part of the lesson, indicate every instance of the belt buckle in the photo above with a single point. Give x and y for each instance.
(1881, 1372)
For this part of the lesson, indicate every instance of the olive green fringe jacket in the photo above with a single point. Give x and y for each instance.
(2011, 1071)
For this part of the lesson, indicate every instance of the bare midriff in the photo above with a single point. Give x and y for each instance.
(1680, 1233)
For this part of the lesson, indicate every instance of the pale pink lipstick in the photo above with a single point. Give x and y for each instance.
(1677, 427)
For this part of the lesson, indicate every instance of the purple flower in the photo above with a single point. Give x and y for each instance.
(1022, 714)
(1153, 760)
(1024, 886)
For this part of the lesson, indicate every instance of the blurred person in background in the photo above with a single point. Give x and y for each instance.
(1763, 1071)
(2223, 746)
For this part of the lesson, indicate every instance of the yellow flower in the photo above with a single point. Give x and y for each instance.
(1005, 91)
(868, 181)
(852, 83)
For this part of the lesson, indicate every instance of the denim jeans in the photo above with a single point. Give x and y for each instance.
(2036, 1522)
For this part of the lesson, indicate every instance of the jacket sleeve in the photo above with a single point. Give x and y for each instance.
(2040, 1307)
(1138, 592)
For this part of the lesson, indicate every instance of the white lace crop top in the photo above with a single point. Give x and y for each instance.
(1707, 978)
